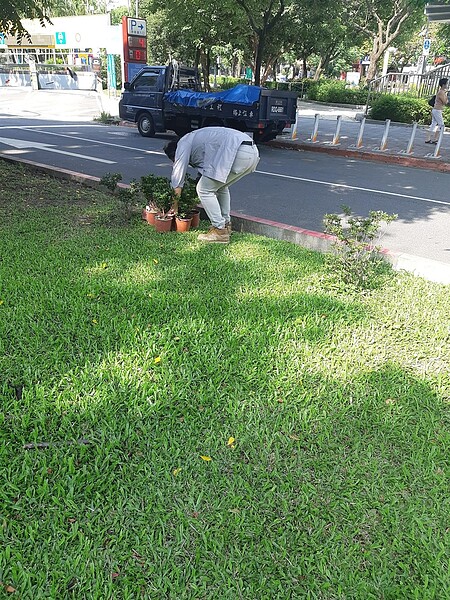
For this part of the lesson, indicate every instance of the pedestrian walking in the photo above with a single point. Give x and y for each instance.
(437, 120)
(222, 156)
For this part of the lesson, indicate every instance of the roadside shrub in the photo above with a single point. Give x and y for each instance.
(356, 257)
(401, 109)
(334, 91)
(225, 83)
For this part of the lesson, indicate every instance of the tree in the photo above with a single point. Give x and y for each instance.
(381, 21)
(12, 12)
(262, 16)
(191, 28)
(321, 31)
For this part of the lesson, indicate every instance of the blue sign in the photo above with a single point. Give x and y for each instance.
(60, 37)
(2, 39)
(111, 72)
(426, 44)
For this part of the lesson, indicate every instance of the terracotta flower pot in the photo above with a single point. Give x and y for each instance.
(183, 225)
(195, 218)
(163, 224)
(150, 216)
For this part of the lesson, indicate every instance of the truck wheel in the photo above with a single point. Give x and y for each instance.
(145, 125)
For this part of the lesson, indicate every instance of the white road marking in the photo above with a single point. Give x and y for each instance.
(72, 137)
(353, 187)
(305, 179)
(48, 148)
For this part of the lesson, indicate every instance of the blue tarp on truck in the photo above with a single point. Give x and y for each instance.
(240, 94)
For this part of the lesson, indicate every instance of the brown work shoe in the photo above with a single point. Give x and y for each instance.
(214, 235)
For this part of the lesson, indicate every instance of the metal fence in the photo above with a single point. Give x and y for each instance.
(415, 84)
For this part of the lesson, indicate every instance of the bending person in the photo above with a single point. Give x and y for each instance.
(222, 156)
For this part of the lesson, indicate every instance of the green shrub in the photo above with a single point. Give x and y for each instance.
(357, 259)
(404, 109)
(401, 109)
(225, 83)
(332, 90)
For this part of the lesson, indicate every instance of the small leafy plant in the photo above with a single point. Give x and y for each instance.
(162, 195)
(148, 185)
(127, 196)
(110, 181)
(355, 250)
(188, 199)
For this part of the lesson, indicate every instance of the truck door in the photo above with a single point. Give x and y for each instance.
(144, 97)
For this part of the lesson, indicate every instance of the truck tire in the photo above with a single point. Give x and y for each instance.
(145, 125)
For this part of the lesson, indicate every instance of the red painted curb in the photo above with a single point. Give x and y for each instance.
(405, 161)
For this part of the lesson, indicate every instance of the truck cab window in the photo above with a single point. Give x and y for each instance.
(146, 81)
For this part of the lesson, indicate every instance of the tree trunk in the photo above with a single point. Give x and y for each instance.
(304, 68)
(204, 59)
(319, 70)
(258, 59)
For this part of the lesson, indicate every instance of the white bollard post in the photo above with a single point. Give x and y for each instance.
(315, 128)
(438, 145)
(360, 135)
(384, 139)
(295, 129)
(409, 149)
(335, 141)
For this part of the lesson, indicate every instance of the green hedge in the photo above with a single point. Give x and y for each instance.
(334, 91)
(404, 109)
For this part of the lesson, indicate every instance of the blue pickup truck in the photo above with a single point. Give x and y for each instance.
(162, 98)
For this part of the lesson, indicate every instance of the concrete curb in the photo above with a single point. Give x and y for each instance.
(431, 270)
(405, 161)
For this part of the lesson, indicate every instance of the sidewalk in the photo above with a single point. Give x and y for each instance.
(422, 155)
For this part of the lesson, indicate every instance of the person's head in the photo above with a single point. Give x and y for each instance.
(170, 149)
(443, 82)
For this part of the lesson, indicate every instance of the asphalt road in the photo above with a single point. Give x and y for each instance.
(291, 187)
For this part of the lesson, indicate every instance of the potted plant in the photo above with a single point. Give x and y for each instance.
(184, 207)
(163, 199)
(190, 200)
(148, 183)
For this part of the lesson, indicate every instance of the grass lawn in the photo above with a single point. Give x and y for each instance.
(214, 421)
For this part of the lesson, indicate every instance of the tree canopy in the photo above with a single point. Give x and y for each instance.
(11, 14)
(255, 33)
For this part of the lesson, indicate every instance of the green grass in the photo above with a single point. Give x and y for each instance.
(132, 354)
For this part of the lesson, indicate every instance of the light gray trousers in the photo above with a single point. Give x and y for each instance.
(215, 195)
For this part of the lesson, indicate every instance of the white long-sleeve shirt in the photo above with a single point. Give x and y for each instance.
(211, 150)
